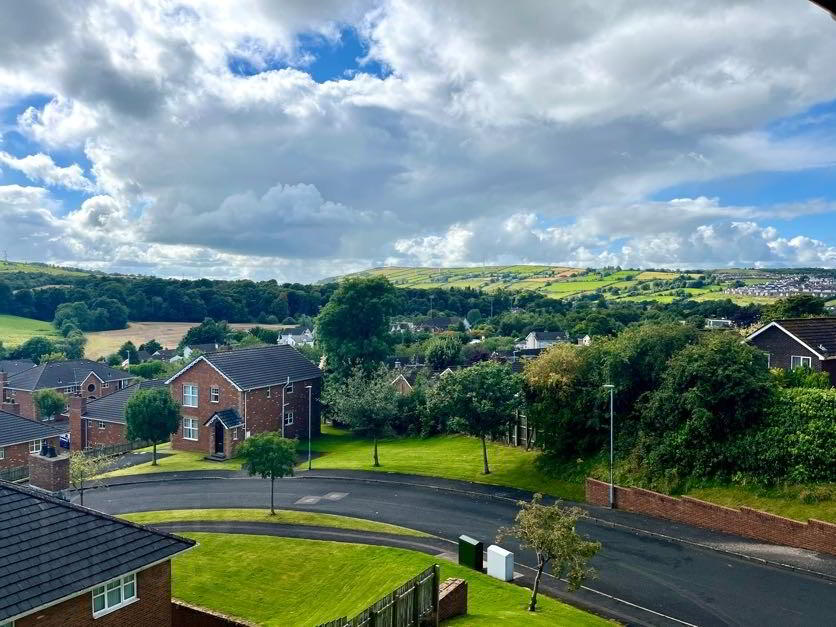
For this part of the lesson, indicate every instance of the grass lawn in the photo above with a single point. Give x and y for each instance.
(178, 461)
(15, 330)
(449, 456)
(282, 517)
(284, 581)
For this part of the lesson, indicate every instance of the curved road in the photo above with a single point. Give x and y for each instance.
(641, 579)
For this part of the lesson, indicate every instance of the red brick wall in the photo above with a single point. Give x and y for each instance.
(49, 473)
(152, 608)
(18, 454)
(186, 615)
(27, 404)
(452, 599)
(27, 401)
(781, 347)
(814, 535)
(113, 433)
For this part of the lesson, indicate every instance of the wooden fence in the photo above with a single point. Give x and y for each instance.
(519, 433)
(115, 449)
(19, 473)
(414, 603)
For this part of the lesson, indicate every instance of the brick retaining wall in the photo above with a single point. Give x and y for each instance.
(187, 615)
(452, 599)
(814, 535)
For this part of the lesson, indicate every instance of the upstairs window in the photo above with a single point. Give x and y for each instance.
(189, 395)
(288, 418)
(800, 361)
(35, 446)
(289, 388)
(114, 594)
(214, 394)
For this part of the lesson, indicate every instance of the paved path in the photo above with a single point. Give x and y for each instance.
(642, 578)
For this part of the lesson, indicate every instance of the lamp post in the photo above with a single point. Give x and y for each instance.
(610, 387)
(310, 389)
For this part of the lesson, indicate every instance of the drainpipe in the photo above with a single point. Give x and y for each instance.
(283, 403)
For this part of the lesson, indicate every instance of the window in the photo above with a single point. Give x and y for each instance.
(235, 434)
(2, 456)
(91, 387)
(105, 384)
(799, 361)
(189, 395)
(114, 594)
(268, 392)
(101, 424)
(214, 394)
(190, 428)
(35, 446)
(288, 388)
(288, 418)
(768, 360)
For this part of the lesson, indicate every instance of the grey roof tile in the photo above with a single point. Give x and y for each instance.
(15, 366)
(264, 365)
(111, 408)
(64, 373)
(16, 429)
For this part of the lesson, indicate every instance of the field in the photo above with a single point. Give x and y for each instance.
(57, 271)
(15, 330)
(229, 573)
(169, 334)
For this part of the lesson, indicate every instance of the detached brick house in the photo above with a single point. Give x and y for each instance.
(101, 422)
(797, 342)
(228, 396)
(64, 564)
(91, 379)
(19, 437)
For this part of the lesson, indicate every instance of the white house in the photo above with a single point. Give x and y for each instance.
(297, 337)
(544, 339)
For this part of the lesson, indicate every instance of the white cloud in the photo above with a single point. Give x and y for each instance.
(40, 168)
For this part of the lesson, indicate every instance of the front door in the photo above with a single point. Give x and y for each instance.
(219, 437)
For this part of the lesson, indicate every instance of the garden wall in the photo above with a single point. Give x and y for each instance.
(186, 615)
(814, 535)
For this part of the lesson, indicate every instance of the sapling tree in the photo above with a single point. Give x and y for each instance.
(152, 415)
(49, 403)
(270, 456)
(84, 468)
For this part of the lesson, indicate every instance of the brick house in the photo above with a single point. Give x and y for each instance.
(229, 396)
(101, 422)
(68, 565)
(19, 437)
(92, 379)
(797, 342)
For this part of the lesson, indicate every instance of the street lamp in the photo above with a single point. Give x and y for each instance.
(309, 425)
(610, 387)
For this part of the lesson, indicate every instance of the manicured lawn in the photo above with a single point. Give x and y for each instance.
(15, 330)
(282, 517)
(449, 456)
(283, 581)
(178, 461)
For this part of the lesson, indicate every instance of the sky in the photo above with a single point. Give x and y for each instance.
(297, 140)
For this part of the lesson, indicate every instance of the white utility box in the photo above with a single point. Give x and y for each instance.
(500, 563)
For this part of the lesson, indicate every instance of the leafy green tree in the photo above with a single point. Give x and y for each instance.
(128, 351)
(148, 370)
(49, 403)
(367, 403)
(4, 352)
(801, 378)
(207, 332)
(796, 306)
(353, 327)
(549, 531)
(151, 346)
(480, 400)
(52, 357)
(270, 456)
(35, 348)
(153, 415)
(114, 359)
(474, 316)
(84, 468)
(443, 351)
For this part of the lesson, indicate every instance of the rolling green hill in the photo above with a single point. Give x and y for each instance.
(15, 330)
(7, 267)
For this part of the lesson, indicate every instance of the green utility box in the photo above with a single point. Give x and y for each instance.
(470, 553)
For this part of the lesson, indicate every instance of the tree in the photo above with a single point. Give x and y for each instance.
(128, 351)
(474, 316)
(550, 532)
(35, 348)
(796, 306)
(268, 455)
(353, 327)
(84, 468)
(153, 415)
(443, 351)
(207, 332)
(480, 400)
(52, 357)
(367, 403)
(49, 403)
(151, 346)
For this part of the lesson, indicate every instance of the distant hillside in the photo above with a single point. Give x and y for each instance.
(7, 267)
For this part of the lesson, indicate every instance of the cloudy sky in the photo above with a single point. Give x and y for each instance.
(296, 140)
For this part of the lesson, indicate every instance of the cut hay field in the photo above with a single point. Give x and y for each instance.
(15, 330)
(169, 334)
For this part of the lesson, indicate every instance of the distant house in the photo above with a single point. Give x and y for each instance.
(585, 341)
(228, 396)
(296, 336)
(68, 565)
(141, 358)
(401, 327)
(101, 422)
(15, 366)
(718, 323)
(442, 323)
(166, 354)
(20, 437)
(92, 379)
(203, 348)
(544, 339)
(797, 342)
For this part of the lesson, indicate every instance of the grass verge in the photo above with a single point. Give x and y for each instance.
(284, 581)
(177, 461)
(282, 517)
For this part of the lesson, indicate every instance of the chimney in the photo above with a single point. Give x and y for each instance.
(49, 471)
(78, 407)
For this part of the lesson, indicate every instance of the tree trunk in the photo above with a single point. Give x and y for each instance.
(485, 455)
(541, 564)
(272, 510)
(81, 495)
(154, 454)
(376, 461)
(527, 434)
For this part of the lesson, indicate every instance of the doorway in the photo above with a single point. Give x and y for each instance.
(219, 437)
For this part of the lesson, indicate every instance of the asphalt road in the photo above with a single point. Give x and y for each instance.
(641, 579)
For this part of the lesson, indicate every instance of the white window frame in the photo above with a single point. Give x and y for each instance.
(101, 424)
(803, 360)
(36, 449)
(188, 428)
(288, 388)
(103, 592)
(288, 418)
(2, 456)
(105, 384)
(268, 391)
(214, 394)
(768, 360)
(190, 396)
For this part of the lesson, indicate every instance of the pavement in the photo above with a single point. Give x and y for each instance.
(646, 575)
(133, 459)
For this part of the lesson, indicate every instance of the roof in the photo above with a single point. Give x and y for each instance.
(15, 366)
(165, 353)
(111, 408)
(51, 549)
(442, 322)
(15, 429)
(260, 366)
(59, 374)
(204, 348)
(817, 334)
(550, 335)
(229, 418)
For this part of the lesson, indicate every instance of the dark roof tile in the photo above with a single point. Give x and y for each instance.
(16, 429)
(111, 408)
(59, 374)
(264, 365)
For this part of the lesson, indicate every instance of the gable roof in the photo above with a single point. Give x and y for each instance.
(15, 366)
(229, 418)
(58, 374)
(15, 429)
(209, 347)
(51, 549)
(818, 335)
(111, 408)
(258, 367)
(550, 335)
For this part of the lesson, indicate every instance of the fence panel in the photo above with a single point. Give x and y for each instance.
(18, 473)
(115, 449)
